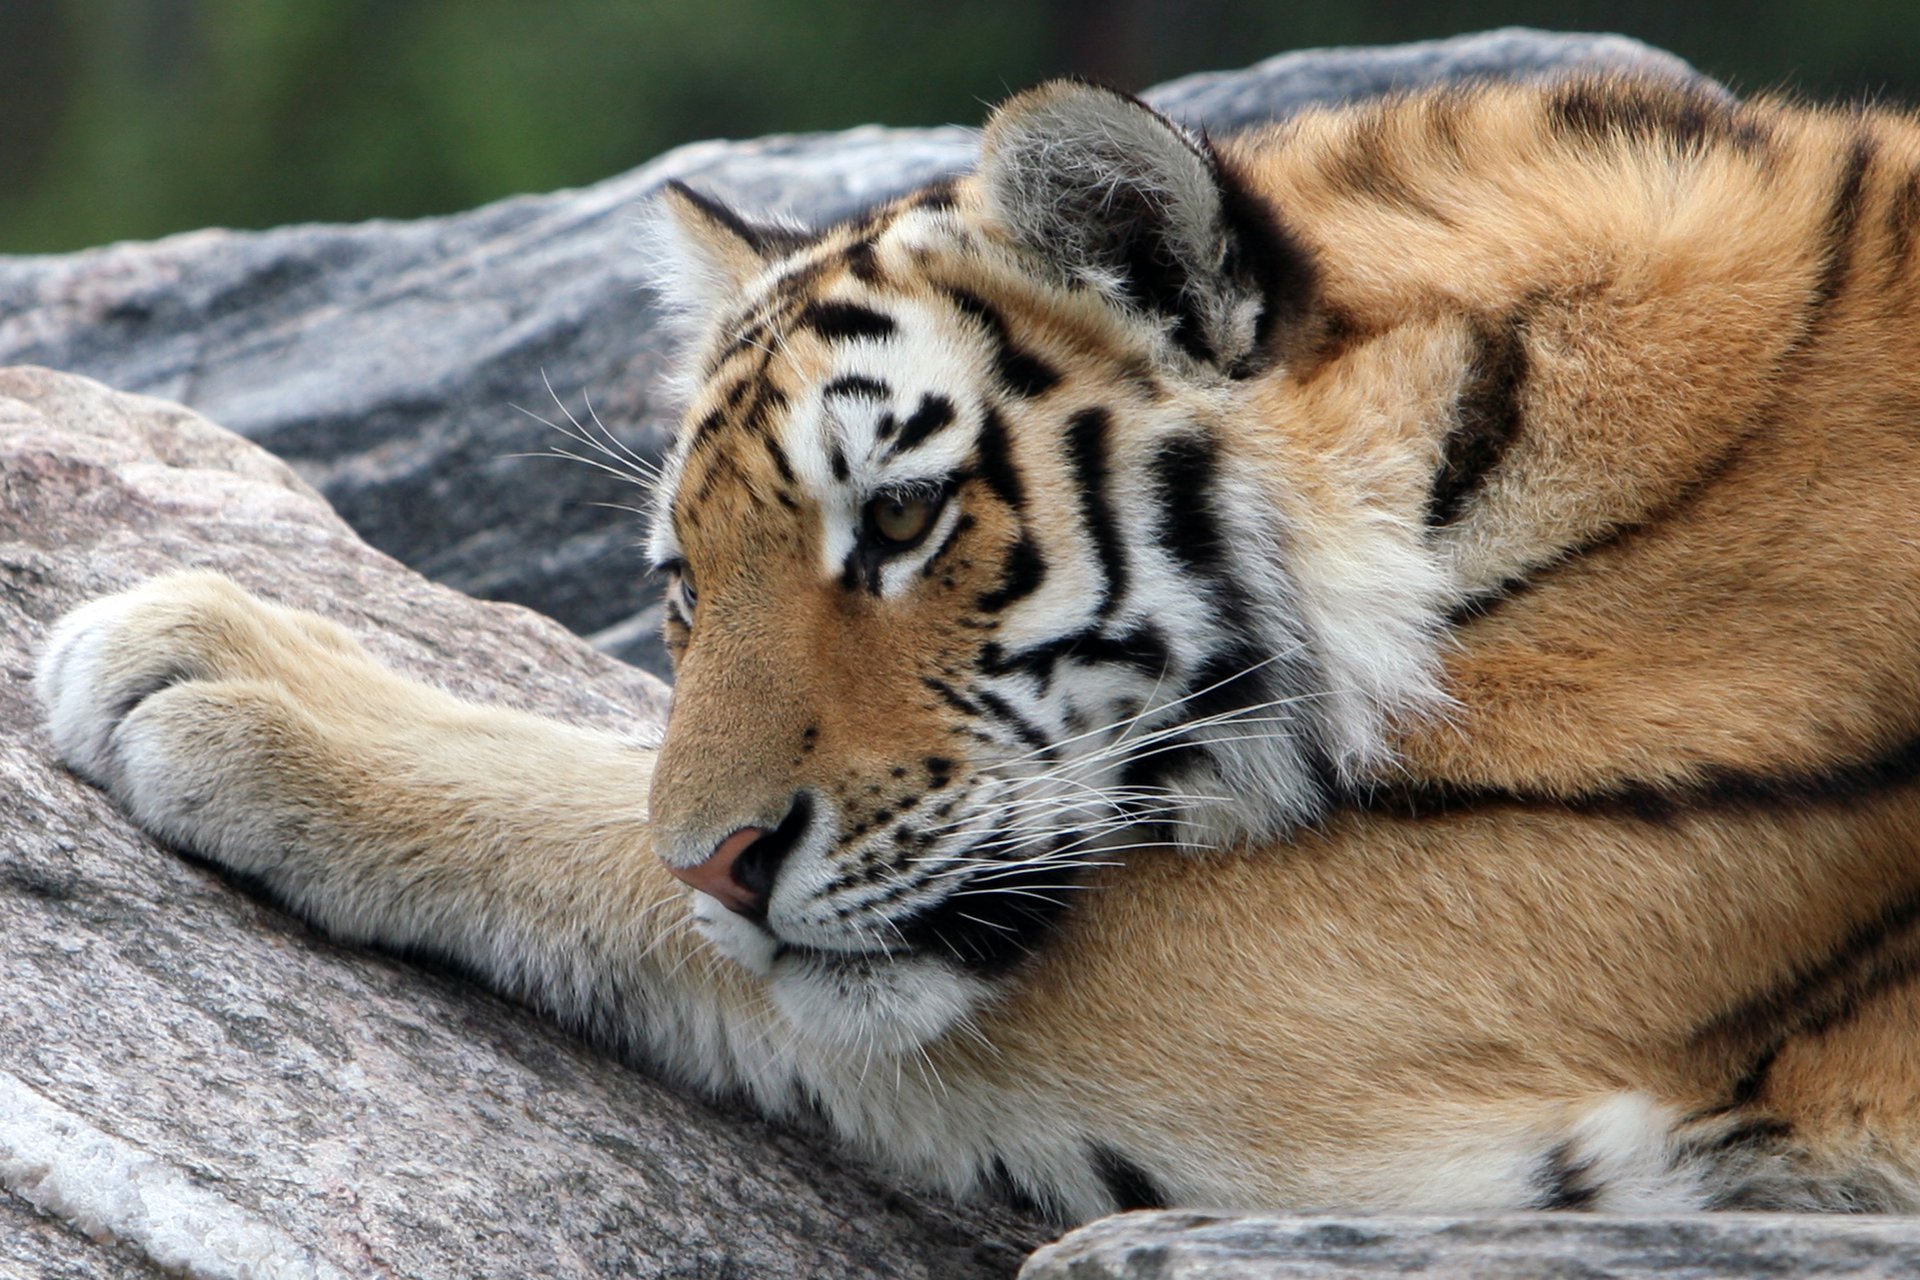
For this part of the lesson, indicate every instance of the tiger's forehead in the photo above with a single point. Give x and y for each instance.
(887, 352)
(843, 370)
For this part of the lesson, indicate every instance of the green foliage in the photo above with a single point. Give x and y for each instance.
(133, 118)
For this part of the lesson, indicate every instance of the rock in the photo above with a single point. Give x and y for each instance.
(208, 1086)
(1532, 1246)
(384, 360)
(39, 1248)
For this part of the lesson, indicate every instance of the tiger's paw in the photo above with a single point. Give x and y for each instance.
(181, 699)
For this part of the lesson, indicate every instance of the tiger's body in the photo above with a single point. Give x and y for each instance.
(1374, 666)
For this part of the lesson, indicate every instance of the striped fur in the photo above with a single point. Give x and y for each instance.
(1408, 694)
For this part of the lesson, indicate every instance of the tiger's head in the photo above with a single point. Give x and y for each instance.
(968, 586)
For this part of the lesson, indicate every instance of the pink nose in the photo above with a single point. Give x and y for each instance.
(715, 877)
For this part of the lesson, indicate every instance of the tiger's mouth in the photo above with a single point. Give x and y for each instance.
(892, 983)
(985, 923)
(884, 1000)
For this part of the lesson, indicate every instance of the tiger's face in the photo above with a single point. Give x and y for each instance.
(967, 590)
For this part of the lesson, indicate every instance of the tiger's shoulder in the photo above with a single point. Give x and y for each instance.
(1664, 487)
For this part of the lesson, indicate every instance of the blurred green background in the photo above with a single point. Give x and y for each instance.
(133, 118)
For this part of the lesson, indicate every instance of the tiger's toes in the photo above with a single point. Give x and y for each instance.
(107, 659)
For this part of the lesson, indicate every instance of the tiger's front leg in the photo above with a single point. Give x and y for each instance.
(386, 811)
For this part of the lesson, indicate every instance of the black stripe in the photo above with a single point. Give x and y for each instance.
(1128, 1185)
(1487, 418)
(1087, 452)
(1037, 661)
(1879, 957)
(1683, 117)
(1486, 603)
(1903, 212)
(1023, 373)
(779, 457)
(1172, 757)
(953, 698)
(1876, 956)
(843, 321)
(1758, 1132)
(936, 195)
(1365, 170)
(996, 461)
(862, 262)
(1753, 1081)
(1230, 683)
(1563, 1182)
(1003, 711)
(767, 400)
(1489, 602)
(1442, 114)
(1239, 676)
(1264, 259)
(763, 240)
(1143, 648)
(960, 526)
(1184, 472)
(1002, 1187)
(934, 414)
(1020, 576)
(1843, 215)
(857, 384)
(754, 337)
(990, 930)
(1716, 790)
(837, 461)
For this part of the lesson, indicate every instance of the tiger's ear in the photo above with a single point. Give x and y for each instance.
(702, 254)
(1111, 194)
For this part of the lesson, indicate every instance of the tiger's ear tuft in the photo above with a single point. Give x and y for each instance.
(701, 254)
(1111, 194)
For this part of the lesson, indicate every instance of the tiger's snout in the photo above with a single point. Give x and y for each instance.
(740, 872)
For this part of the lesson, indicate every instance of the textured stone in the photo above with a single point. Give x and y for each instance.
(1533, 1246)
(34, 1247)
(384, 360)
(205, 1080)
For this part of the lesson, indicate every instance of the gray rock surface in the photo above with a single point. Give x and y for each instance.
(34, 1247)
(383, 360)
(1534, 1246)
(201, 1080)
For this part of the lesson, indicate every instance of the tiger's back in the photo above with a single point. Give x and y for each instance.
(1676, 501)
(1674, 498)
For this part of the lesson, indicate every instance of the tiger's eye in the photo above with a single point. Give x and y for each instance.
(900, 518)
(681, 582)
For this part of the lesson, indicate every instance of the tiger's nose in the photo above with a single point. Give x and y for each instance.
(715, 876)
(740, 872)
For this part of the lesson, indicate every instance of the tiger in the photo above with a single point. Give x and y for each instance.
(1372, 663)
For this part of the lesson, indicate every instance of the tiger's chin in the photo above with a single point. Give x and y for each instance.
(872, 1002)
